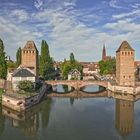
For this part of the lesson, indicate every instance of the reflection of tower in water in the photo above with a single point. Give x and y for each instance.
(124, 117)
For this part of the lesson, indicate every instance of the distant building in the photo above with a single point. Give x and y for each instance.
(30, 58)
(74, 75)
(89, 69)
(125, 71)
(22, 74)
(104, 56)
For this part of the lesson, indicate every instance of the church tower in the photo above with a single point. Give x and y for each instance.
(125, 65)
(30, 57)
(124, 119)
(104, 53)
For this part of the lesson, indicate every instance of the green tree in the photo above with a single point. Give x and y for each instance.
(108, 66)
(46, 62)
(72, 59)
(27, 86)
(3, 63)
(18, 57)
(68, 65)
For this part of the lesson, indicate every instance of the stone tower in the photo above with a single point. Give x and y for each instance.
(125, 65)
(104, 53)
(124, 117)
(30, 57)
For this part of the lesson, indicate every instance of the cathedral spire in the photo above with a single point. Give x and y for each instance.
(104, 53)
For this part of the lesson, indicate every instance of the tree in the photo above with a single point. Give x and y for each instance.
(27, 86)
(108, 66)
(72, 59)
(46, 62)
(68, 65)
(3, 63)
(18, 57)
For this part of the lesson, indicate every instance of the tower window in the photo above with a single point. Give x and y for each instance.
(128, 53)
(125, 53)
(123, 76)
(122, 53)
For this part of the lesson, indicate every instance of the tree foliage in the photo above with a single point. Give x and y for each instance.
(72, 59)
(108, 66)
(18, 57)
(68, 65)
(3, 63)
(27, 86)
(46, 62)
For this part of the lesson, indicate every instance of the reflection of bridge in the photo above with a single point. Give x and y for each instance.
(77, 84)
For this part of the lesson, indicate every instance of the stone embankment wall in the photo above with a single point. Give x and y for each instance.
(124, 89)
(21, 104)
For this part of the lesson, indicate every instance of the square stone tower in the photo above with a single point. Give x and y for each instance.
(30, 57)
(125, 72)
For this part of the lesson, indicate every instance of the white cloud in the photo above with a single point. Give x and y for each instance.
(39, 4)
(114, 4)
(15, 36)
(64, 29)
(124, 15)
(123, 26)
(20, 15)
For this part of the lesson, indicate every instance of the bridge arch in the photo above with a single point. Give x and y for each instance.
(77, 84)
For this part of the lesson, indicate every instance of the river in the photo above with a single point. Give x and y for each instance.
(73, 119)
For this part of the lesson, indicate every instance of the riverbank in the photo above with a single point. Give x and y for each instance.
(21, 102)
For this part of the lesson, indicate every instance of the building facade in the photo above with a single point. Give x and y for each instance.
(74, 75)
(30, 58)
(22, 74)
(125, 70)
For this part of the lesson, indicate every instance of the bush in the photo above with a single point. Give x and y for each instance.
(27, 86)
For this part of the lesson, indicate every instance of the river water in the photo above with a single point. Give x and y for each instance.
(73, 119)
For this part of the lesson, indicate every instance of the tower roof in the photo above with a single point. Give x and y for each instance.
(30, 45)
(125, 47)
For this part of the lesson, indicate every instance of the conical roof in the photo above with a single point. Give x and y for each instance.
(30, 45)
(125, 47)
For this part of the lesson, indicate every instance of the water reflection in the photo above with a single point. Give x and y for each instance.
(124, 117)
(92, 89)
(2, 121)
(62, 89)
(29, 121)
(70, 118)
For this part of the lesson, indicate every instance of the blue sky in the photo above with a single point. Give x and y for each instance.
(79, 26)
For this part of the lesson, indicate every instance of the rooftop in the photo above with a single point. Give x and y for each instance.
(125, 46)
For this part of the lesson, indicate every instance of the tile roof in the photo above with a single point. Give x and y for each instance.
(23, 72)
(125, 47)
(30, 45)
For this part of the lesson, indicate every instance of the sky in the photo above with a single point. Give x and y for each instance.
(78, 26)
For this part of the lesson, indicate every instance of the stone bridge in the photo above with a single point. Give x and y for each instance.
(77, 84)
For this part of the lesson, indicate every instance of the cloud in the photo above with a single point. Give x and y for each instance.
(39, 4)
(114, 4)
(20, 15)
(15, 36)
(129, 14)
(66, 29)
